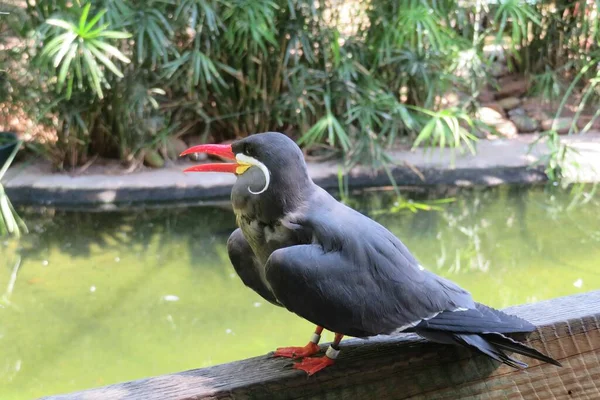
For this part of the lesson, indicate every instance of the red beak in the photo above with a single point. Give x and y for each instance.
(222, 150)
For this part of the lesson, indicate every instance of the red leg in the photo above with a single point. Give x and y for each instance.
(313, 365)
(297, 352)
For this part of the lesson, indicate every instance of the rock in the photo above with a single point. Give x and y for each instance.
(449, 99)
(496, 107)
(498, 70)
(490, 115)
(524, 123)
(539, 115)
(516, 111)
(485, 96)
(175, 147)
(509, 103)
(507, 129)
(482, 133)
(583, 120)
(495, 50)
(497, 121)
(512, 86)
(538, 103)
(153, 159)
(560, 125)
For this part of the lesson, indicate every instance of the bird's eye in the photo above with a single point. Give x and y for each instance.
(249, 150)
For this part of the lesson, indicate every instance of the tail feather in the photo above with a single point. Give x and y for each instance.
(480, 319)
(506, 343)
(492, 345)
(479, 343)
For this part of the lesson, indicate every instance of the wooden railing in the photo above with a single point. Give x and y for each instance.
(404, 367)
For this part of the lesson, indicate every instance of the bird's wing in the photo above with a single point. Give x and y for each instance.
(481, 319)
(357, 278)
(246, 265)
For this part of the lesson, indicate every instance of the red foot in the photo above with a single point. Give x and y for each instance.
(297, 352)
(314, 365)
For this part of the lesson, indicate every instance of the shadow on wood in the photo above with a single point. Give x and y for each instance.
(405, 367)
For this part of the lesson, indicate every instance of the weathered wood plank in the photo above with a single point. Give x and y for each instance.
(404, 367)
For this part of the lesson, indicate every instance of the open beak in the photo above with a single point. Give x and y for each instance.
(221, 150)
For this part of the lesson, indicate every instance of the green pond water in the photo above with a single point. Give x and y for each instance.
(101, 298)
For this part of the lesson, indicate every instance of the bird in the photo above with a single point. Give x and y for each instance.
(299, 248)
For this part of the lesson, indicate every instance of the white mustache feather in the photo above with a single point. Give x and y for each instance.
(253, 161)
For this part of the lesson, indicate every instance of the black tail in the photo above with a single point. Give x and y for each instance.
(482, 328)
(492, 345)
(479, 343)
(505, 343)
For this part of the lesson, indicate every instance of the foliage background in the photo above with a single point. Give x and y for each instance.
(122, 79)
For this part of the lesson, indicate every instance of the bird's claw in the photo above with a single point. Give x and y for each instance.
(297, 352)
(313, 365)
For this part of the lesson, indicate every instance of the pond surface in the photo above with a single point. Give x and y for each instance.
(107, 297)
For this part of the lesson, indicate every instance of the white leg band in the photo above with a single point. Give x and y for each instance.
(332, 353)
(315, 338)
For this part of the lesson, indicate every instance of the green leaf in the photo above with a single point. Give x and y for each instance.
(93, 72)
(140, 46)
(66, 64)
(115, 35)
(69, 87)
(54, 45)
(196, 67)
(65, 46)
(113, 51)
(78, 70)
(83, 18)
(94, 34)
(425, 133)
(105, 60)
(61, 24)
(5, 211)
(93, 22)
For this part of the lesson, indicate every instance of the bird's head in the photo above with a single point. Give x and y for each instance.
(271, 171)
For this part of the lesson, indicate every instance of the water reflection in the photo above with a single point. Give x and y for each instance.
(105, 297)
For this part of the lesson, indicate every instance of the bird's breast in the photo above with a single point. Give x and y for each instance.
(265, 238)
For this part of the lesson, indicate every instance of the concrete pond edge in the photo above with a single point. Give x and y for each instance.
(167, 194)
(502, 161)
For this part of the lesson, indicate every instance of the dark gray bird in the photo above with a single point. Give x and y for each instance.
(301, 249)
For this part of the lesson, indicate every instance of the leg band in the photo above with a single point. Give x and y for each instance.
(315, 338)
(332, 353)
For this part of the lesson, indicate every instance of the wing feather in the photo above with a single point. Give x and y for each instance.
(482, 319)
(247, 267)
(357, 278)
